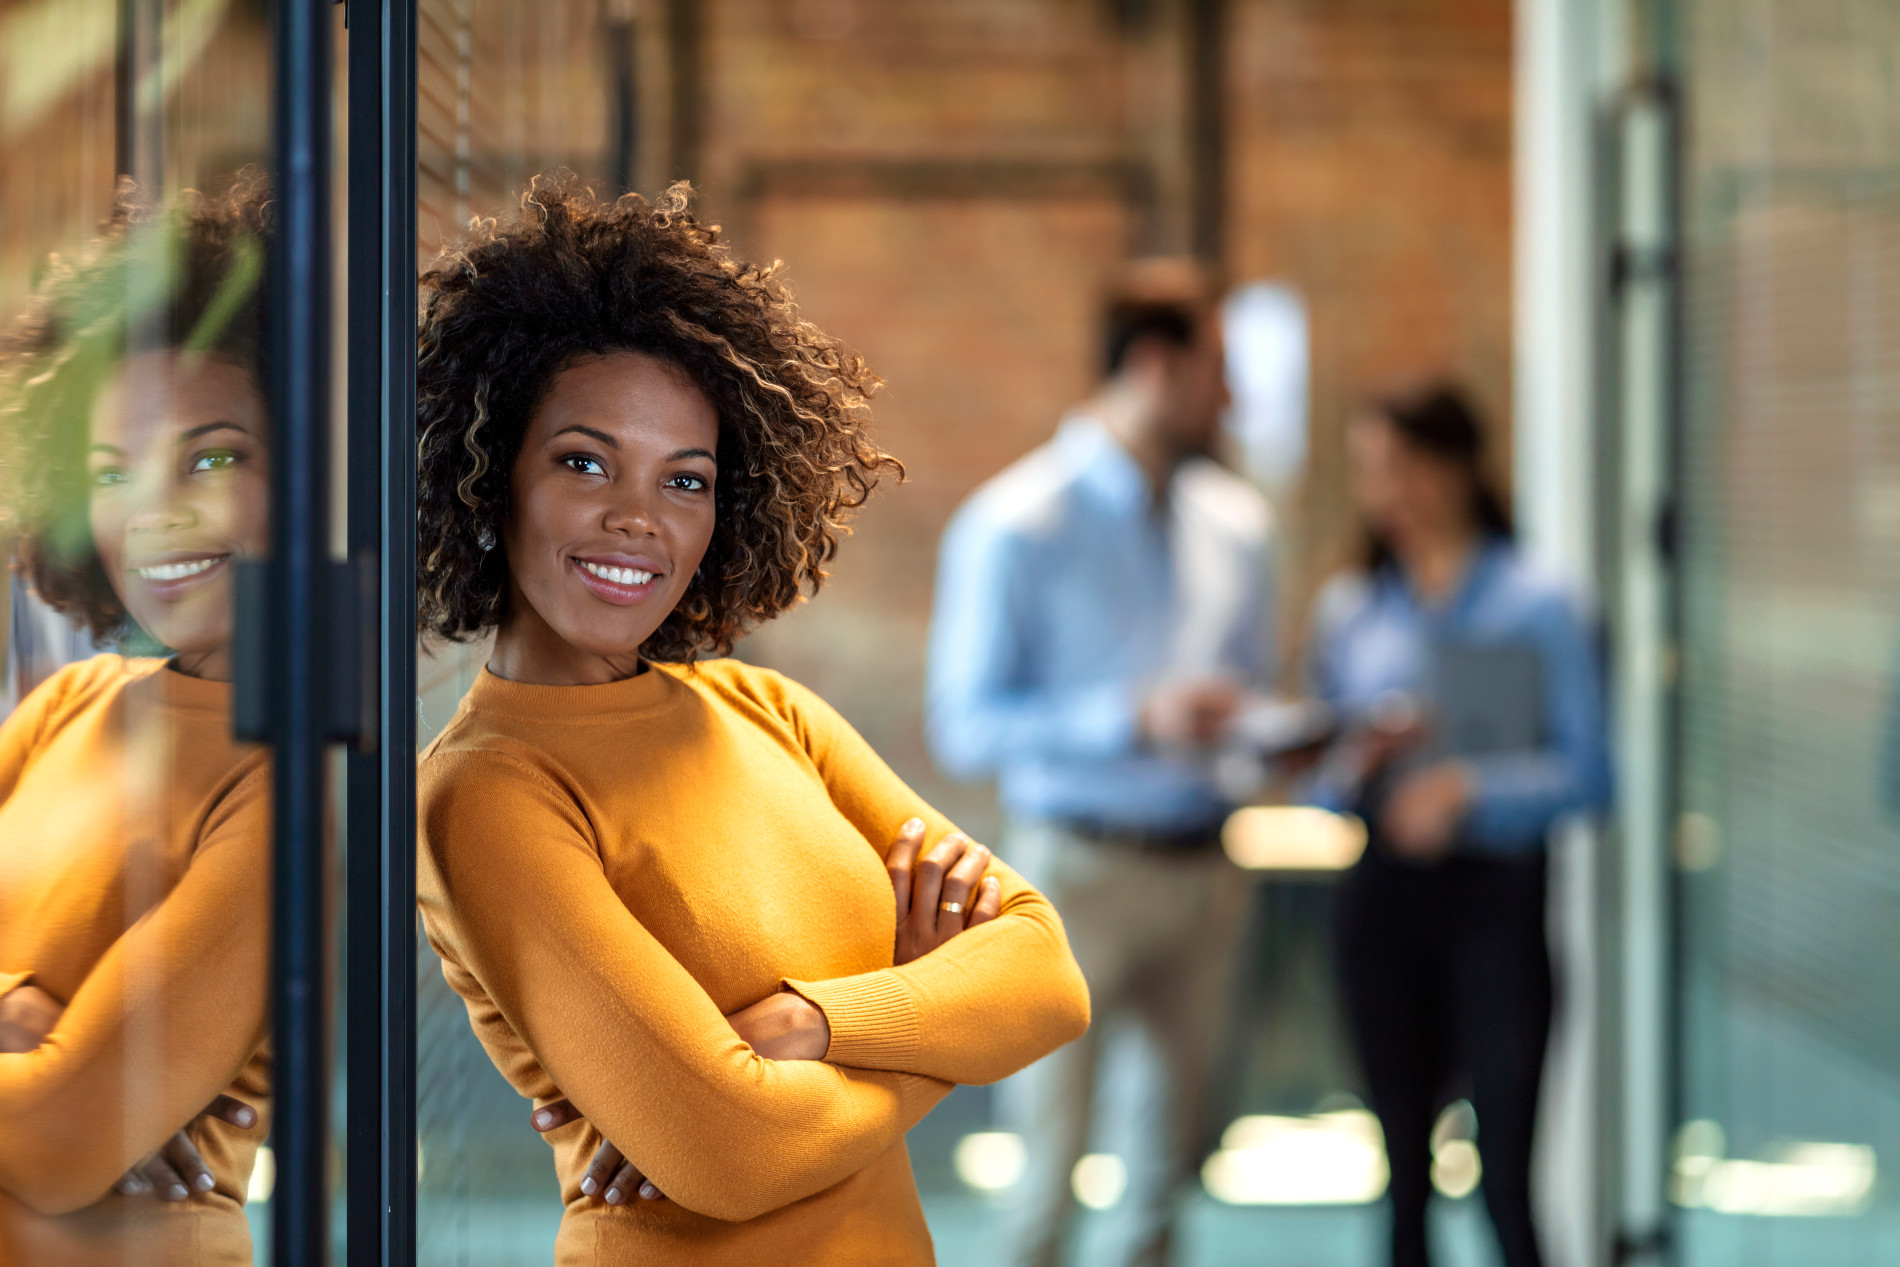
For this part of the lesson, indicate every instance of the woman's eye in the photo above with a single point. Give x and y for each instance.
(583, 465)
(214, 460)
(690, 483)
(110, 477)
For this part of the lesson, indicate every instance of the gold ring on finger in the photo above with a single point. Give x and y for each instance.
(951, 908)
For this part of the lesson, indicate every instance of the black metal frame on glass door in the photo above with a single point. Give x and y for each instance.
(291, 656)
(380, 935)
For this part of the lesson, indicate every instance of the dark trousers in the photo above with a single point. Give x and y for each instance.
(1447, 983)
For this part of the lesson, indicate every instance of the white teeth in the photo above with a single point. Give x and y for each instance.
(178, 571)
(619, 576)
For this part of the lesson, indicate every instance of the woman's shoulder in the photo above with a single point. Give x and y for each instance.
(84, 684)
(1534, 590)
(1343, 598)
(732, 681)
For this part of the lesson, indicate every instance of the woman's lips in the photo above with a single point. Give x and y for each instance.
(605, 580)
(171, 579)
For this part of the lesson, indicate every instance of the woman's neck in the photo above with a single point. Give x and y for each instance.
(528, 651)
(1435, 562)
(212, 666)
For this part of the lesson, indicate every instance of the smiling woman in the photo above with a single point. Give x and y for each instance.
(135, 872)
(697, 921)
(593, 571)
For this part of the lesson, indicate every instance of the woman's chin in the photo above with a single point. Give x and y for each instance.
(617, 646)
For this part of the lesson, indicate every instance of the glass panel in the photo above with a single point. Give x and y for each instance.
(135, 847)
(505, 91)
(1789, 842)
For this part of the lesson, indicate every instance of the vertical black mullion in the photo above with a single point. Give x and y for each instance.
(396, 723)
(363, 812)
(381, 807)
(297, 587)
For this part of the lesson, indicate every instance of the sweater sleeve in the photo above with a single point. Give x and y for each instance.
(513, 890)
(163, 1023)
(20, 730)
(978, 1008)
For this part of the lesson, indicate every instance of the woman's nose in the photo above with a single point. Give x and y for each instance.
(158, 505)
(631, 514)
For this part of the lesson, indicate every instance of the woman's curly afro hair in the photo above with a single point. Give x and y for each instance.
(509, 307)
(186, 274)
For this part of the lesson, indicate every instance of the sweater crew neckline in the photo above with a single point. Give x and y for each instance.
(650, 692)
(181, 690)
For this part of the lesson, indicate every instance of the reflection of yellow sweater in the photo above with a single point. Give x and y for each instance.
(607, 870)
(134, 888)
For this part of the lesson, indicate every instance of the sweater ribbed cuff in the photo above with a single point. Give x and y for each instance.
(872, 1017)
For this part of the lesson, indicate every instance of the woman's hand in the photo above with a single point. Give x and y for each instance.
(27, 1016)
(176, 1171)
(1423, 812)
(782, 1026)
(941, 894)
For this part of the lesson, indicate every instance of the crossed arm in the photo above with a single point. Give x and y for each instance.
(939, 892)
(716, 1124)
(182, 996)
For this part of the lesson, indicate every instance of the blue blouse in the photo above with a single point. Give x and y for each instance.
(1372, 637)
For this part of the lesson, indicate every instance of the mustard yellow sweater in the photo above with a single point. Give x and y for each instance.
(608, 870)
(135, 889)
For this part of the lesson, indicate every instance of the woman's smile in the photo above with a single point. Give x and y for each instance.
(616, 578)
(176, 574)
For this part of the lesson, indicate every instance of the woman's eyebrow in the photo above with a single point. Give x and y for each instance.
(680, 455)
(601, 436)
(206, 428)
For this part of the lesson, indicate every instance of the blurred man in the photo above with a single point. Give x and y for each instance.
(1101, 613)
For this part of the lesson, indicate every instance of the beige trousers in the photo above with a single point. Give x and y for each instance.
(1156, 936)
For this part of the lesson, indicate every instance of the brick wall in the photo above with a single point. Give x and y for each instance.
(942, 179)
(1369, 164)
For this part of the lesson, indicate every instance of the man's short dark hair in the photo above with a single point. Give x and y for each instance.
(1158, 297)
(1174, 322)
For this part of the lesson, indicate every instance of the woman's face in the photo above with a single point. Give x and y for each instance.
(1403, 492)
(612, 498)
(180, 480)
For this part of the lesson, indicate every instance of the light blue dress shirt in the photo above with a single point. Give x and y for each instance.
(1063, 594)
(1373, 636)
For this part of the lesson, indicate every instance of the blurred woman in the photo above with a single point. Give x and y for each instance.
(664, 883)
(1477, 699)
(134, 833)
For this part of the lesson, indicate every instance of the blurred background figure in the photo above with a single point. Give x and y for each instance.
(1101, 614)
(1478, 706)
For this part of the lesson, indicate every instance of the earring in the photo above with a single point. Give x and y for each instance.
(485, 538)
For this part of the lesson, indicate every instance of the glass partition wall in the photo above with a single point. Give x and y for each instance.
(1786, 841)
(140, 456)
(202, 631)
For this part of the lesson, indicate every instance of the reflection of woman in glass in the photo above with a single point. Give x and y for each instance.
(664, 884)
(134, 858)
(1444, 965)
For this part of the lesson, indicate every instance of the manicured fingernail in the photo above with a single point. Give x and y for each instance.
(177, 1192)
(588, 1185)
(204, 1183)
(246, 1117)
(991, 882)
(912, 826)
(613, 1196)
(544, 1119)
(650, 1192)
